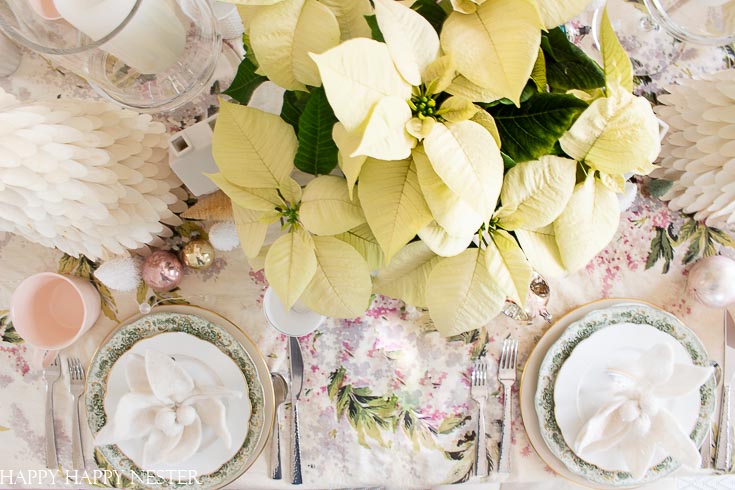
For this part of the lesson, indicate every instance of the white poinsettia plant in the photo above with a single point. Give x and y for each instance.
(474, 145)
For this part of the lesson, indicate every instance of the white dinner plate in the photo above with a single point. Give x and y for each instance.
(193, 336)
(530, 383)
(583, 384)
(208, 366)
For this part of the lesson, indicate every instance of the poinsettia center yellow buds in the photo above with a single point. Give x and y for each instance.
(424, 105)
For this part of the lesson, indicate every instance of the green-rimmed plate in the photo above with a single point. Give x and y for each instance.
(559, 352)
(228, 339)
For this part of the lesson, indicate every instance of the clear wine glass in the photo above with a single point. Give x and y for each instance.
(656, 32)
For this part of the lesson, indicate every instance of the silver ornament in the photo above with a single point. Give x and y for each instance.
(712, 281)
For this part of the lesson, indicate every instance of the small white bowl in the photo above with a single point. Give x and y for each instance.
(296, 322)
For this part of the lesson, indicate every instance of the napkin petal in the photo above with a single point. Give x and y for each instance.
(135, 373)
(214, 414)
(158, 446)
(169, 381)
(191, 439)
(655, 366)
(674, 439)
(134, 417)
(638, 453)
(597, 427)
(688, 378)
(207, 392)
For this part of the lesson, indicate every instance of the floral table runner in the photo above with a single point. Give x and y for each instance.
(386, 398)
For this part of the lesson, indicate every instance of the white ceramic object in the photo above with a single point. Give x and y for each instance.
(190, 156)
(87, 177)
(296, 322)
(583, 384)
(208, 366)
(52, 311)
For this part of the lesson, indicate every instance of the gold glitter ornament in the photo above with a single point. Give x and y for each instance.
(198, 254)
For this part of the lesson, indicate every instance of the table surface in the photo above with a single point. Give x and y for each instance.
(409, 420)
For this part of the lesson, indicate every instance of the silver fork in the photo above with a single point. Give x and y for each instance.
(479, 393)
(51, 375)
(76, 388)
(507, 377)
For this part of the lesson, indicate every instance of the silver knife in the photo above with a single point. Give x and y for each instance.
(723, 451)
(297, 381)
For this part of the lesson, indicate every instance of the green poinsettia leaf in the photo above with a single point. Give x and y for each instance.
(374, 29)
(508, 162)
(245, 82)
(538, 75)
(431, 11)
(294, 103)
(567, 66)
(530, 131)
(317, 153)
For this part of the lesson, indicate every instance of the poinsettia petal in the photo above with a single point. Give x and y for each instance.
(412, 41)
(356, 75)
(385, 136)
(347, 143)
(442, 243)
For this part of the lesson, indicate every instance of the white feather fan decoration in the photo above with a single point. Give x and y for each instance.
(84, 177)
(698, 155)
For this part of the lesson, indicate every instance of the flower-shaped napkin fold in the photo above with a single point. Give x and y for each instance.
(635, 419)
(167, 409)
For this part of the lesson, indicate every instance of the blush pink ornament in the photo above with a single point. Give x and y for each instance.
(162, 271)
(712, 281)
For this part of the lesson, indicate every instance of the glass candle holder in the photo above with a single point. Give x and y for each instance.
(706, 22)
(147, 55)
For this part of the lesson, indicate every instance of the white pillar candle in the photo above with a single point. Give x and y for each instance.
(153, 40)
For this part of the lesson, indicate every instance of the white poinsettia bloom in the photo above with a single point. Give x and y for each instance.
(382, 92)
(635, 420)
(166, 408)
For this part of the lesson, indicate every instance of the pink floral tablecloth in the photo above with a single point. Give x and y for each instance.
(386, 398)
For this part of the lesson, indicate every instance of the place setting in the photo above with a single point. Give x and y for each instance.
(352, 243)
(619, 393)
(179, 393)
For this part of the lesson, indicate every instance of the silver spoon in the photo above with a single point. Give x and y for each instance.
(706, 449)
(280, 388)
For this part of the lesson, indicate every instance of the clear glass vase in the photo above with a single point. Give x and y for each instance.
(147, 55)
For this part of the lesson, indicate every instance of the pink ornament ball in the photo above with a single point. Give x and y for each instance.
(162, 271)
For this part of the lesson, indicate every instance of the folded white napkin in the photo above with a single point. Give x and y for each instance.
(167, 409)
(635, 421)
